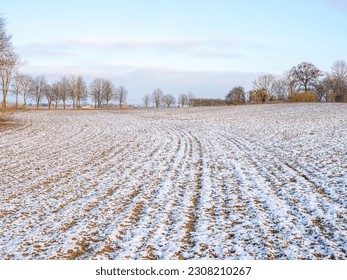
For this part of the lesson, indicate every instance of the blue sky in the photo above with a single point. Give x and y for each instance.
(206, 47)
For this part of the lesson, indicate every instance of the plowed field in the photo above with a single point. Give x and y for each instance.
(246, 182)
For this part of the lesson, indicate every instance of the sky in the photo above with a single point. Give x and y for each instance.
(204, 47)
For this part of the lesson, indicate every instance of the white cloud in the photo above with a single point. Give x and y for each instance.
(340, 5)
(201, 48)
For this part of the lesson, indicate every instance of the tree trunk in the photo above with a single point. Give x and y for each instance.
(16, 100)
(4, 101)
(305, 85)
(4, 92)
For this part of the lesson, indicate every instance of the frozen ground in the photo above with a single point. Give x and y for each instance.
(247, 182)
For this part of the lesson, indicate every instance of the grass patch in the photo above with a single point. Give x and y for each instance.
(7, 121)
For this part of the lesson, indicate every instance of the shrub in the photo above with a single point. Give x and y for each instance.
(305, 96)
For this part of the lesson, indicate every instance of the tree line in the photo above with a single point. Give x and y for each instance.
(68, 89)
(159, 99)
(302, 83)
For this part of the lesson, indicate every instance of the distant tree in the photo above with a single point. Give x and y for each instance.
(72, 90)
(236, 95)
(145, 100)
(183, 100)
(339, 70)
(56, 93)
(306, 75)
(39, 87)
(121, 95)
(49, 94)
(157, 96)
(64, 90)
(81, 91)
(280, 89)
(338, 80)
(290, 83)
(108, 91)
(322, 89)
(97, 92)
(26, 83)
(258, 96)
(16, 86)
(266, 83)
(190, 98)
(168, 100)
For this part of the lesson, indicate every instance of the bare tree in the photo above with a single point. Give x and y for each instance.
(26, 82)
(306, 75)
(109, 91)
(56, 93)
(72, 90)
(121, 95)
(5, 39)
(64, 90)
(157, 94)
(97, 92)
(280, 89)
(236, 95)
(145, 100)
(338, 80)
(290, 82)
(183, 99)
(265, 82)
(190, 98)
(81, 91)
(9, 61)
(323, 88)
(168, 100)
(49, 94)
(39, 87)
(339, 70)
(16, 87)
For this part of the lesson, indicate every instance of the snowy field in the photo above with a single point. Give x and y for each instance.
(246, 182)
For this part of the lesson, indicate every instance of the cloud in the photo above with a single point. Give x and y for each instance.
(205, 48)
(47, 50)
(177, 53)
(340, 5)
